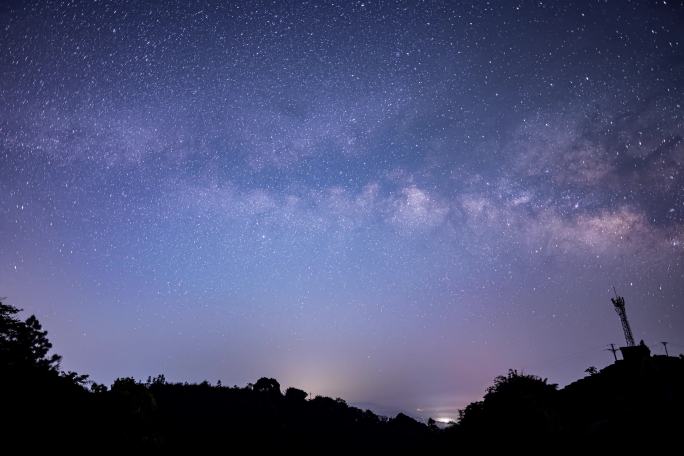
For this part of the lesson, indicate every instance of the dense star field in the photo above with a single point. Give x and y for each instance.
(389, 202)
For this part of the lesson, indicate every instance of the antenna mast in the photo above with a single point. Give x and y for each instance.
(619, 303)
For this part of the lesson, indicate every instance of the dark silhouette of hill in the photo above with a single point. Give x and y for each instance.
(629, 402)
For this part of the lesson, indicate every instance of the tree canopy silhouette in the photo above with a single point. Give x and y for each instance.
(267, 386)
(24, 344)
(517, 406)
(43, 405)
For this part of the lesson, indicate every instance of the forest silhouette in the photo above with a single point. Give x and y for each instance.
(627, 403)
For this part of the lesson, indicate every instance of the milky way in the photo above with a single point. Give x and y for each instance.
(390, 202)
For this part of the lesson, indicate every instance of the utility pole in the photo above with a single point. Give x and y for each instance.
(613, 350)
(665, 346)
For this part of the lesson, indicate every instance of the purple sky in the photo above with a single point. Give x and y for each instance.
(388, 202)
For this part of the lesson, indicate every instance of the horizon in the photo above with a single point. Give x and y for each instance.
(443, 415)
(388, 202)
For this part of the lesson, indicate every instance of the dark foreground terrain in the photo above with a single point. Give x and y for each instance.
(635, 402)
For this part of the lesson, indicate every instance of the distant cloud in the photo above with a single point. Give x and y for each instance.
(272, 134)
(583, 182)
(408, 209)
(262, 132)
(415, 208)
(583, 148)
(104, 135)
(557, 148)
(622, 229)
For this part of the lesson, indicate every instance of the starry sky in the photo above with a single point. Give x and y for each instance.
(388, 202)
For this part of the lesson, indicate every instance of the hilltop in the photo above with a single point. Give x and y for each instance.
(639, 399)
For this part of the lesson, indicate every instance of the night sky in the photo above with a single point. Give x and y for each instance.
(388, 202)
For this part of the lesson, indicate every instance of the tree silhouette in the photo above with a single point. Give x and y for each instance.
(43, 406)
(32, 389)
(295, 394)
(24, 344)
(267, 386)
(517, 406)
